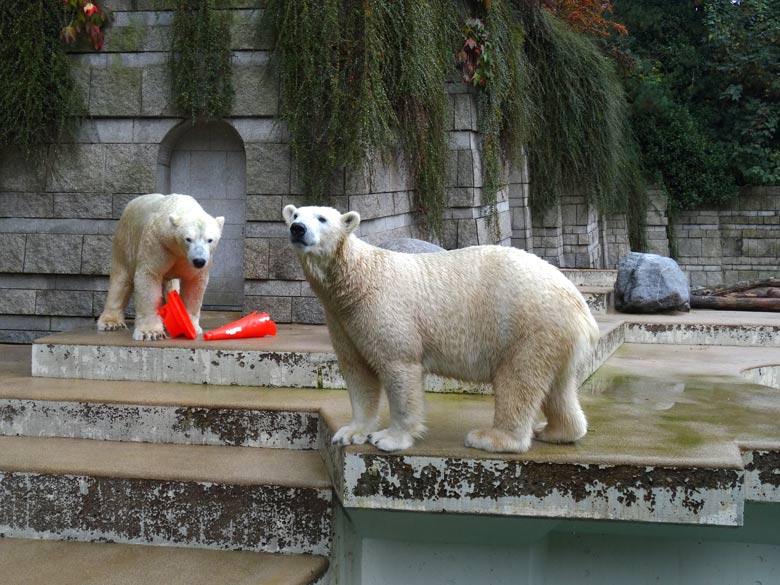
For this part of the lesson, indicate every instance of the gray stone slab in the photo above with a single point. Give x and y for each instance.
(26, 205)
(256, 92)
(256, 258)
(63, 302)
(12, 258)
(268, 169)
(17, 174)
(82, 205)
(17, 301)
(53, 253)
(130, 168)
(115, 91)
(77, 168)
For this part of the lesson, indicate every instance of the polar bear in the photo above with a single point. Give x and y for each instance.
(161, 241)
(479, 314)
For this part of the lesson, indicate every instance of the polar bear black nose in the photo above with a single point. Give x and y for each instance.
(199, 262)
(297, 229)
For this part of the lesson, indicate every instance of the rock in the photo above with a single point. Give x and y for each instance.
(648, 283)
(410, 246)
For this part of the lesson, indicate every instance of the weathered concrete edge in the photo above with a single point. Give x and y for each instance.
(526, 488)
(238, 427)
(702, 334)
(169, 513)
(762, 474)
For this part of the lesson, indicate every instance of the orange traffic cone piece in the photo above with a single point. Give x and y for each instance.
(253, 325)
(175, 318)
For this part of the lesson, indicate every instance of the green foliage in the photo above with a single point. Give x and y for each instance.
(744, 84)
(39, 102)
(705, 89)
(580, 140)
(505, 106)
(200, 59)
(675, 149)
(360, 78)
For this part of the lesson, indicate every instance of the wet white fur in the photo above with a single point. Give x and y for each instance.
(151, 252)
(480, 314)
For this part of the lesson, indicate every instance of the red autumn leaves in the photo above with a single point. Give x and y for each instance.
(87, 18)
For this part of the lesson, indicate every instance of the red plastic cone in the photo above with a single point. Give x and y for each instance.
(175, 318)
(253, 325)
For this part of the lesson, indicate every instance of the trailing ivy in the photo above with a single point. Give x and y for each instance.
(200, 59)
(580, 141)
(39, 101)
(361, 78)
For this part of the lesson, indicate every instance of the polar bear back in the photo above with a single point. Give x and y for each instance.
(459, 311)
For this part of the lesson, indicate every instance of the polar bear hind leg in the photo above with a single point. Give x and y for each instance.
(120, 287)
(520, 385)
(566, 423)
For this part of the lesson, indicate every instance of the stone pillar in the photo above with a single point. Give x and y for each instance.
(522, 229)
(468, 221)
(656, 223)
(548, 235)
(614, 239)
(580, 232)
(699, 253)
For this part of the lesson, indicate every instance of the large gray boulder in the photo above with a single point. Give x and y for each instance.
(410, 246)
(648, 283)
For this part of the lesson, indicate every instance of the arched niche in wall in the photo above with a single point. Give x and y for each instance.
(207, 160)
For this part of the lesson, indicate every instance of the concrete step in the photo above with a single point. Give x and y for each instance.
(591, 277)
(599, 298)
(42, 562)
(228, 498)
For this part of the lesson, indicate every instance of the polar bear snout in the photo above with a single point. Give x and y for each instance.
(198, 262)
(297, 230)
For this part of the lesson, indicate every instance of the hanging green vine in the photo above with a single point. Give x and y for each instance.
(201, 59)
(359, 78)
(39, 101)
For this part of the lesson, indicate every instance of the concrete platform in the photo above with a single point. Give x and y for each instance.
(301, 356)
(226, 498)
(40, 562)
(678, 434)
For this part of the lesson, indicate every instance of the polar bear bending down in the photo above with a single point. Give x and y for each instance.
(480, 314)
(160, 241)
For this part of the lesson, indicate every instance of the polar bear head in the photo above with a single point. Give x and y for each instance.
(197, 237)
(318, 230)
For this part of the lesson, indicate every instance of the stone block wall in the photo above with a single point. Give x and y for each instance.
(58, 212)
(656, 223)
(723, 246)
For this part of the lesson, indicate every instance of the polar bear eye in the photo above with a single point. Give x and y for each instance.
(188, 240)
(322, 219)
(210, 240)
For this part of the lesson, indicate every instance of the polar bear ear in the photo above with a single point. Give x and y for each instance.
(174, 219)
(350, 220)
(287, 213)
(220, 222)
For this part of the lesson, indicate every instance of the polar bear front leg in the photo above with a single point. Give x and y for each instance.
(148, 299)
(192, 291)
(363, 386)
(404, 387)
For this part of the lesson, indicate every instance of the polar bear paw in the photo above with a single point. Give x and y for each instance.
(111, 325)
(350, 434)
(497, 441)
(149, 334)
(391, 440)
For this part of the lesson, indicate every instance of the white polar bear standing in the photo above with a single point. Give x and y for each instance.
(160, 241)
(480, 314)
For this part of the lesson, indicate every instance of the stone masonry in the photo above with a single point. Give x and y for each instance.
(723, 246)
(59, 212)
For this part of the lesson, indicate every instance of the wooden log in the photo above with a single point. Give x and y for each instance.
(735, 303)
